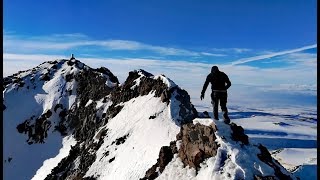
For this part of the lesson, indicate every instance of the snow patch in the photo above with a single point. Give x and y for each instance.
(89, 102)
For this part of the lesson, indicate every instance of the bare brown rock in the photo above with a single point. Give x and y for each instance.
(198, 143)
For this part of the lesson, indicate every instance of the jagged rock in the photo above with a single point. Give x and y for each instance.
(69, 77)
(21, 84)
(165, 96)
(64, 170)
(165, 156)
(147, 84)
(64, 164)
(6, 81)
(54, 67)
(120, 140)
(57, 106)
(106, 71)
(61, 128)
(238, 134)
(36, 130)
(22, 127)
(265, 156)
(112, 159)
(63, 113)
(198, 143)
(48, 114)
(113, 111)
(91, 86)
(45, 77)
(187, 111)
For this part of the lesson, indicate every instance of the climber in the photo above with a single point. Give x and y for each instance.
(219, 84)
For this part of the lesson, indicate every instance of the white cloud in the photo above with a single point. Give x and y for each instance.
(262, 57)
(305, 59)
(120, 44)
(235, 50)
(188, 75)
(211, 54)
(22, 44)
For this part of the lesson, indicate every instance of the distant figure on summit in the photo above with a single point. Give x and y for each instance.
(219, 84)
(72, 57)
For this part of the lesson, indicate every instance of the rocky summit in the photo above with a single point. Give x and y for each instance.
(76, 122)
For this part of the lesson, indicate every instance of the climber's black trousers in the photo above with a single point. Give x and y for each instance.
(219, 97)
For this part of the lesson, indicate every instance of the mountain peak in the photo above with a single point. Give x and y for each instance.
(146, 127)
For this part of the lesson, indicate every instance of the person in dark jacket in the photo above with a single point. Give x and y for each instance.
(219, 84)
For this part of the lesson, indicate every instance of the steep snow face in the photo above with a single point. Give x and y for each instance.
(130, 126)
(34, 102)
(147, 124)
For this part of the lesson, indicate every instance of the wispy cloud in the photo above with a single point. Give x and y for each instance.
(305, 59)
(68, 41)
(21, 53)
(182, 71)
(189, 75)
(233, 50)
(262, 57)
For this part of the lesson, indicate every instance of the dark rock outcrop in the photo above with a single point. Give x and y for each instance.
(198, 143)
(120, 140)
(37, 130)
(84, 121)
(107, 72)
(69, 77)
(238, 134)
(45, 77)
(266, 157)
(187, 112)
(165, 156)
(147, 84)
(91, 86)
(58, 106)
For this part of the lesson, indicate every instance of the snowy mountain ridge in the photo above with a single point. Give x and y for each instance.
(75, 122)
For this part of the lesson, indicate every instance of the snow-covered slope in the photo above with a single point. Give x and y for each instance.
(139, 117)
(145, 128)
(35, 103)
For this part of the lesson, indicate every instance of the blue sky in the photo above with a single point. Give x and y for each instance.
(256, 42)
(261, 24)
